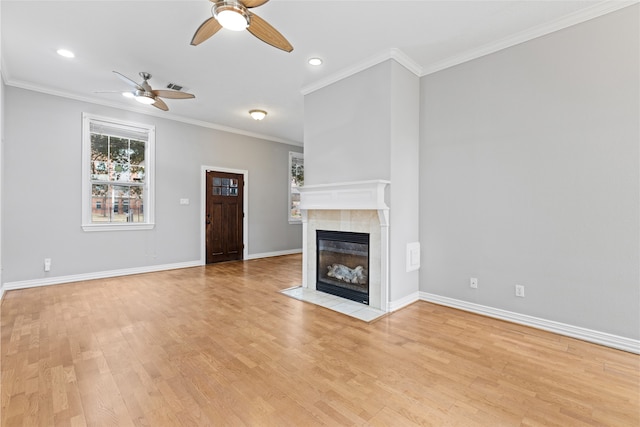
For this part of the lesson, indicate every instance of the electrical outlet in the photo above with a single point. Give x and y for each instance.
(47, 264)
(473, 282)
(520, 291)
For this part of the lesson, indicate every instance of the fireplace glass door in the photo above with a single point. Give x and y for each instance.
(343, 264)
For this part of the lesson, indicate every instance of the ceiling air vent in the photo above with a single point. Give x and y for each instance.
(174, 86)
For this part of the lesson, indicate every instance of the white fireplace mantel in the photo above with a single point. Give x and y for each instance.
(359, 195)
(336, 207)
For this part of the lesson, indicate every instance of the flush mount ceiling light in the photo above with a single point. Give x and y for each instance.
(258, 114)
(315, 61)
(231, 15)
(66, 53)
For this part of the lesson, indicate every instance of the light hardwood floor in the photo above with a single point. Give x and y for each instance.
(219, 345)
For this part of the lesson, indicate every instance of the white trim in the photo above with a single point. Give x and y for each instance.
(142, 110)
(385, 260)
(602, 338)
(272, 254)
(403, 302)
(358, 195)
(117, 227)
(47, 281)
(395, 54)
(599, 9)
(575, 18)
(203, 208)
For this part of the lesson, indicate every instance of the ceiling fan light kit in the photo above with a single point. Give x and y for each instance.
(144, 97)
(231, 15)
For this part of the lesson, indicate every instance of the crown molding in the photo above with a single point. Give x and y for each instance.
(597, 10)
(142, 110)
(575, 18)
(395, 54)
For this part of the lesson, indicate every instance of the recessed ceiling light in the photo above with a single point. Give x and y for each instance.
(315, 61)
(258, 114)
(66, 53)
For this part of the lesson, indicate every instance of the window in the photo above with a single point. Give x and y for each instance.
(117, 174)
(296, 180)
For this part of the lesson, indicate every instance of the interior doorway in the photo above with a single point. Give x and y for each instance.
(224, 216)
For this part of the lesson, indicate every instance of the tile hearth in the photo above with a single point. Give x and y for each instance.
(335, 303)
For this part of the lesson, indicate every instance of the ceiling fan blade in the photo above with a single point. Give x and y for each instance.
(253, 3)
(265, 32)
(128, 81)
(173, 94)
(160, 104)
(206, 30)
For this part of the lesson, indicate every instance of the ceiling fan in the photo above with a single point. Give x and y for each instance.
(145, 94)
(235, 15)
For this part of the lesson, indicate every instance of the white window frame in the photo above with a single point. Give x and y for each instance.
(292, 155)
(148, 188)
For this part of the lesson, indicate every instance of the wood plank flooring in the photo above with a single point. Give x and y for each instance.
(220, 346)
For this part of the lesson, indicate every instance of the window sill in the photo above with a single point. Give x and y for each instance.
(116, 227)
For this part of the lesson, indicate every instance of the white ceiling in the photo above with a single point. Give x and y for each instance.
(232, 73)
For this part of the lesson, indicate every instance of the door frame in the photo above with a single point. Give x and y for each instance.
(203, 209)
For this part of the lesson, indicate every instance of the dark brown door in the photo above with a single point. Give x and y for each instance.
(224, 216)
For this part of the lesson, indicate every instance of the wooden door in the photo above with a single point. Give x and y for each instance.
(224, 216)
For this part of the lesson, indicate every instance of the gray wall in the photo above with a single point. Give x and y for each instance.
(41, 204)
(404, 163)
(347, 129)
(529, 174)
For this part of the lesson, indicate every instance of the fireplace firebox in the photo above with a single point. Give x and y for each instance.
(343, 264)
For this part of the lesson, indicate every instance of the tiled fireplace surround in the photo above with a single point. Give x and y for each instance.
(351, 206)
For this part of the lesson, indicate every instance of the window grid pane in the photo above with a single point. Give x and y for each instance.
(117, 159)
(296, 180)
(117, 204)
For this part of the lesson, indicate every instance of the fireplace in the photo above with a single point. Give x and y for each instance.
(343, 264)
(352, 208)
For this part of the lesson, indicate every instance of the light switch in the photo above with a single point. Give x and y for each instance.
(184, 201)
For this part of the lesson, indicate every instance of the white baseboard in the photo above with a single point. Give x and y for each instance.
(602, 338)
(272, 254)
(46, 281)
(403, 302)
